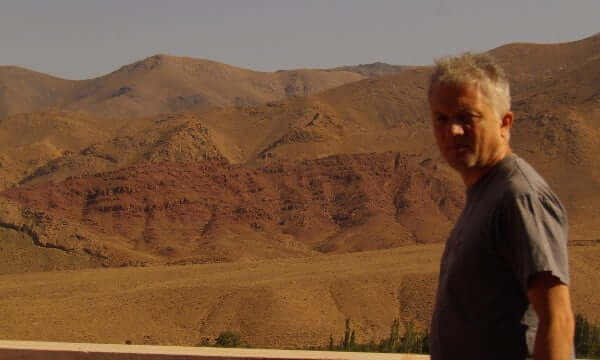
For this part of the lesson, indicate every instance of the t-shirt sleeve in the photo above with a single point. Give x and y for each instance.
(533, 236)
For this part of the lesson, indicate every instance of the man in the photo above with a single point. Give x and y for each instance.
(503, 288)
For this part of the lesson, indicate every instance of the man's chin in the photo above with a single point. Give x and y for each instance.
(461, 163)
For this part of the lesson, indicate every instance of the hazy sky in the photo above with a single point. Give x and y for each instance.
(79, 39)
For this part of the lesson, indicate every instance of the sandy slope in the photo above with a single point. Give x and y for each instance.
(30, 140)
(276, 303)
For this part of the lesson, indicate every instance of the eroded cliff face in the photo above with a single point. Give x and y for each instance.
(214, 211)
(38, 240)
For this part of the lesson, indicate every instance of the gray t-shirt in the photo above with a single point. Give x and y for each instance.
(512, 227)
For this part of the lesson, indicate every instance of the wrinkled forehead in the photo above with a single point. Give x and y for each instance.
(455, 96)
(457, 84)
(488, 89)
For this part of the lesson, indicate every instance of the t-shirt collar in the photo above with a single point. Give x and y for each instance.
(481, 183)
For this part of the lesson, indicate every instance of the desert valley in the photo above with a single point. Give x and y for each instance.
(176, 198)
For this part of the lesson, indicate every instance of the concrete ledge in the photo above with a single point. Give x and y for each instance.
(34, 350)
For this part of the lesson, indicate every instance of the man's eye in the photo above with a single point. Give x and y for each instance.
(441, 118)
(466, 118)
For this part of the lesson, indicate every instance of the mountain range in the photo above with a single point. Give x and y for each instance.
(180, 161)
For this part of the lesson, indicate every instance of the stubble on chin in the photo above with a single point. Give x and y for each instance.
(463, 164)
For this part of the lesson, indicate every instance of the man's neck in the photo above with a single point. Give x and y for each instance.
(470, 177)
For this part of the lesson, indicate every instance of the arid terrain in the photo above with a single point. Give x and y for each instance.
(158, 84)
(286, 303)
(183, 197)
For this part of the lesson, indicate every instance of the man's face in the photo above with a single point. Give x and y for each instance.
(469, 133)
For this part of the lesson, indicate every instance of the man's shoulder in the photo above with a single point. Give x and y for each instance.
(524, 184)
(521, 179)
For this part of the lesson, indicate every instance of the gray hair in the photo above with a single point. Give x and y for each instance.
(480, 69)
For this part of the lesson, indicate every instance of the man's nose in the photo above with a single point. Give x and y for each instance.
(456, 129)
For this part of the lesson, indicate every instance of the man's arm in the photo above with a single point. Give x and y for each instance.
(551, 301)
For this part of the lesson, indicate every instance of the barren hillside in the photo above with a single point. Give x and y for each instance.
(23, 90)
(556, 128)
(377, 115)
(324, 205)
(159, 84)
(557, 107)
(276, 303)
(28, 141)
(373, 69)
(213, 211)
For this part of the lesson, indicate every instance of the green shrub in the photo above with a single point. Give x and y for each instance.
(413, 341)
(587, 338)
(228, 339)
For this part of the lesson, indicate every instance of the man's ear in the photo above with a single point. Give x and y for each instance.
(506, 123)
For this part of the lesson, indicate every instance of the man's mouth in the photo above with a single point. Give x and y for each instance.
(458, 147)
